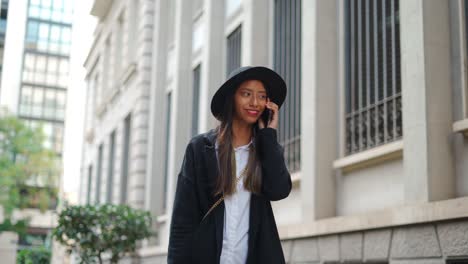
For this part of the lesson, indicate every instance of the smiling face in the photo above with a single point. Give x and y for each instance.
(249, 101)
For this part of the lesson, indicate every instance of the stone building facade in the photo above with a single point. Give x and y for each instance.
(374, 126)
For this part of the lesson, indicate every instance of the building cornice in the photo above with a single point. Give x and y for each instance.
(409, 214)
(461, 127)
(101, 8)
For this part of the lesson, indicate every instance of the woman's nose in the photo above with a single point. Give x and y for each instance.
(254, 101)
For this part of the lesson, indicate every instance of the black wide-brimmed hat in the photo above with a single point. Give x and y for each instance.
(274, 85)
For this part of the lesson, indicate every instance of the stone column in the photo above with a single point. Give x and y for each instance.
(212, 75)
(140, 114)
(255, 32)
(154, 194)
(319, 107)
(182, 94)
(426, 92)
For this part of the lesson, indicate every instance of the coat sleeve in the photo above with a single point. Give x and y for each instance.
(276, 180)
(185, 216)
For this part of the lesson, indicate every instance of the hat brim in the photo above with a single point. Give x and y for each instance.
(275, 86)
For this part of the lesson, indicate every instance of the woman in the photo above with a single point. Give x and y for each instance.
(222, 211)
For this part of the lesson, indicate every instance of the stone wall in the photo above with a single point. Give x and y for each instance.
(431, 243)
(427, 243)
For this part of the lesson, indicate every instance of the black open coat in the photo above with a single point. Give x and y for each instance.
(195, 241)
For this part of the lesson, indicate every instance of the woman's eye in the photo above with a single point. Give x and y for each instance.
(246, 94)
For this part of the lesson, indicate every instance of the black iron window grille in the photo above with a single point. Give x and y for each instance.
(234, 49)
(287, 62)
(373, 80)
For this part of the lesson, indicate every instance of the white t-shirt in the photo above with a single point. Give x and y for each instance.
(236, 216)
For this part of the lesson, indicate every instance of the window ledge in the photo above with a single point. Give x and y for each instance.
(409, 214)
(370, 157)
(128, 73)
(197, 14)
(113, 94)
(152, 251)
(461, 127)
(90, 136)
(296, 178)
(101, 109)
(161, 219)
(231, 15)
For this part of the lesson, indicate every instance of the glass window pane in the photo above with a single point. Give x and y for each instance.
(26, 99)
(33, 11)
(60, 99)
(68, 6)
(27, 77)
(29, 60)
(2, 26)
(67, 18)
(45, 14)
(63, 81)
(53, 47)
(65, 49)
(58, 138)
(49, 98)
(39, 77)
(66, 35)
(44, 31)
(56, 15)
(63, 67)
(33, 28)
(26, 95)
(49, 103)
(55, 33)
(37, 103)
(51, 79)
(58, 4)
(59, 132)
(38, 96)
(42, 45)
(60, 114)
(41, 63)
(47, 128)
(46, 3)
(52, 65)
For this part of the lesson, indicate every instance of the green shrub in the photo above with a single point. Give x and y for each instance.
(91, 230)
(33, 256)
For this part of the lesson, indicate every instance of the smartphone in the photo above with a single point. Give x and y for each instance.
(266, 116)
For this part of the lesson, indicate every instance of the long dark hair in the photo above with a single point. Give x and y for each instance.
(226, 181)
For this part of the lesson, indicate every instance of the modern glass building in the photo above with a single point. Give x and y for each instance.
(35, 41)
(3, 22)
(45, 67)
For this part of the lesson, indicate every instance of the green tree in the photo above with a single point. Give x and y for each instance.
(34, 256)
(92, 230)
(28, 171)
